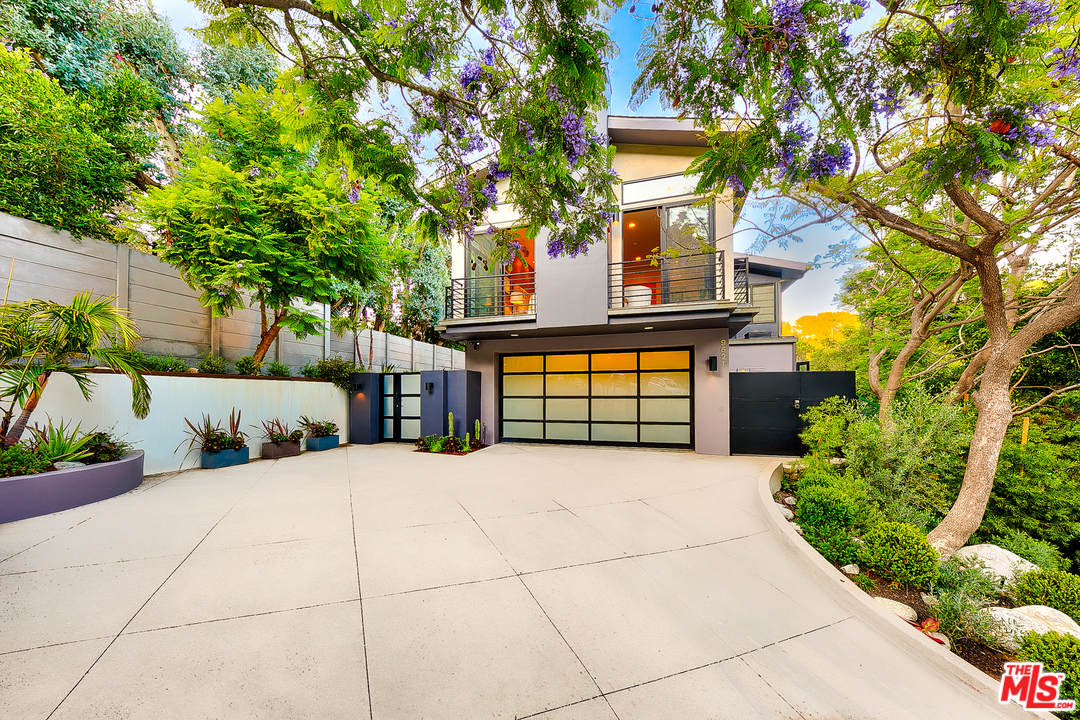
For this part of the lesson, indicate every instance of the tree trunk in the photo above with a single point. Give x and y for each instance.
(267, 339)
(995, 413)
(15, 434)
(172, 149)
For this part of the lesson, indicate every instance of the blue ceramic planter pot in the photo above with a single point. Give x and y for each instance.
(322, 443)
(225, 458)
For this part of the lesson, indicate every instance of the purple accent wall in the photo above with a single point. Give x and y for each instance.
(28, 496)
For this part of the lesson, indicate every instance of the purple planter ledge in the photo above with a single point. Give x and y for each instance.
(28, 496)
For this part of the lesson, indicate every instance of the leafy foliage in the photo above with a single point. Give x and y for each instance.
(105, 447)
(336, 369)
(20, 459)
(224, 67)
(900, 553)
(1059, 653)
(1054, 588)
(210, 437)
(277, 369)
(1040, 552)
(250, 215)
(69, 160)
(278, 432)
(320, 428)
(158, 363)
(961, 593)
(61, 443)
(213, 365)
(248, 365)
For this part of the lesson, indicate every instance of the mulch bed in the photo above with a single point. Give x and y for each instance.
(447, 452)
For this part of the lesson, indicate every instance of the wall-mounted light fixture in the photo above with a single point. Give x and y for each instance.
(430, 387)
(712, 363)
(476, 346)
(358, 387)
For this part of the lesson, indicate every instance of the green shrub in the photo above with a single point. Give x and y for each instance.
(335, 369)
(828, 507)
(158, 363)
(277, 369)
(248, 365)
(104, 447)
(22, 460)
(61, 443)
(900, 553)
(962, 592)
(1057, 653)
(835, 545)
(1040, 552)
(1053, 588)
(213, 365)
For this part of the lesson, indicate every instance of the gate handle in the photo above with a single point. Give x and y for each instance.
(796, 405)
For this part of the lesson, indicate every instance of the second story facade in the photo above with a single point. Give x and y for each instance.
(667, 259)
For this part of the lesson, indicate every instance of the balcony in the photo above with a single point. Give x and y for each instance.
(492, 296)
(686, 279)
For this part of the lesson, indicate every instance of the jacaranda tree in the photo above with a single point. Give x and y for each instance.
(952, 124)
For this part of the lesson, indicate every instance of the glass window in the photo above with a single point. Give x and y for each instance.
(524, 430)
(764, 298)
(388, 406)
(567, 384)
(567, 431)
(523, 363)
(612, 409)
(388, 429)
(523, 385)
(666, 360)
(657, 188)
(614, 433)
(388, 384)
(410, 384)
(567, 363)
(614, 384)
(614, 361)
(523, 409)
(410, 407)
(665, 409)
(665, 383)
(568, 409)
(672, 434)
(410, 429)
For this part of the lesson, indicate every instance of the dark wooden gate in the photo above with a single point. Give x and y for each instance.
(765, 408)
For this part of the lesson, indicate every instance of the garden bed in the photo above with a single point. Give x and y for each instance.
(27, 496)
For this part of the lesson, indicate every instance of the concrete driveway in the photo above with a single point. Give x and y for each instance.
(373, 582)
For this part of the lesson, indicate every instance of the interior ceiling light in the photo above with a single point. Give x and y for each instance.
(638, 257)
(631, 225)
(513, 334)
(648, 327)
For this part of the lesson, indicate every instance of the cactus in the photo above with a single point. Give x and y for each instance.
(468, 443)
(476, 430)
(450, 419)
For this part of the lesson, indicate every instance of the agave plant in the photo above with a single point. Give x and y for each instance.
(62, 443)
(318, 428)
(210, 437)
(39, 338)
(278, 432)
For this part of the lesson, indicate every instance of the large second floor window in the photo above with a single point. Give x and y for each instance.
(667, 256)
(494, 288)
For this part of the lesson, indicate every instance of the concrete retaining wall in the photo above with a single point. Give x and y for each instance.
(176, 397)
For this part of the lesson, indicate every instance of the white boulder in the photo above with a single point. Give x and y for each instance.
(898, 608)
(852, 569)
(1003, 564)
(1054, 620)
(786, 512)
(1011, 624)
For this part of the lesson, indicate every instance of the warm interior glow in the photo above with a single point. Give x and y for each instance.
(633, 225)
(638, 257)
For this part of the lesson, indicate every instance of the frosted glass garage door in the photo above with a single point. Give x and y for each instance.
(615, 397)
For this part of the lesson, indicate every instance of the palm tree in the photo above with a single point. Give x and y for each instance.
(39, 338)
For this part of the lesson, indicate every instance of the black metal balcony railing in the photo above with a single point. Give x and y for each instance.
(742, 281)
(491, 296)
(666, 280)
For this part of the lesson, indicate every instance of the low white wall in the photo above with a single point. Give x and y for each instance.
(762, 355)
(179, 397)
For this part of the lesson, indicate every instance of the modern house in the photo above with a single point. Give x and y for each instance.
(627, 344)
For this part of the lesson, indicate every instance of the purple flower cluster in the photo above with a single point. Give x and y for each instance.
(887, 101)
(464, 190)
(736, 184)
(1039, 12)
(469, 78)
(497, 173)
(487, 57)
(573, 127)
(793, 141)
(354, 194)
(826, 163)
(253, 172)
(490, 193)
(1065, 63)
(788, 18)
(1038, 136)
(527, 130)
(554, 247)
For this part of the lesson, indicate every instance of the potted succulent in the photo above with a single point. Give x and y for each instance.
(321, 434)
(220, 448)
(280, 440)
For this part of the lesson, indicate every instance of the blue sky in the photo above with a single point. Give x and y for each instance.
(811, 295)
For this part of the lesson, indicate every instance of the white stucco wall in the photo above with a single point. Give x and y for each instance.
(179, 397)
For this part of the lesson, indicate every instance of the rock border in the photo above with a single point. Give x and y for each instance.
(863, 606)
